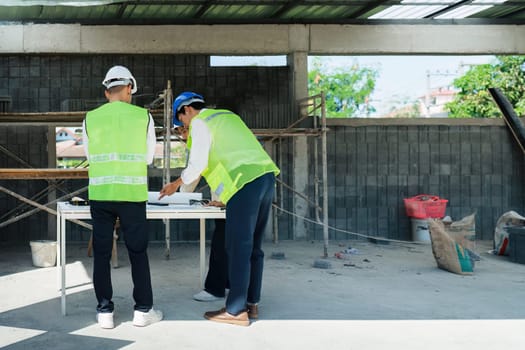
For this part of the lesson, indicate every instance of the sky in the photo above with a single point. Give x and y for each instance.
(399, 78)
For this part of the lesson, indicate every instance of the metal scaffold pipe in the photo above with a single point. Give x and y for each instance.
(168, 100)
(325, 173)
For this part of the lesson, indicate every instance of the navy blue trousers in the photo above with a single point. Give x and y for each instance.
(247, 214)
(217, 278)
(133, 225)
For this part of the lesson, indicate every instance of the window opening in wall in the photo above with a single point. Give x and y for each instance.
(238, 61)
(69, 147)
(178, 155)
(412, 86)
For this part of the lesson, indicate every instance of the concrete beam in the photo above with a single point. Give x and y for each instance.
(299, 36)
(263, 39)
(223, 39)
(11, 38)
(74, 38)
(416, 39)
(59, 38)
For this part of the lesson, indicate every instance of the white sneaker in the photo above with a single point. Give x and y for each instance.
(105, 320)
(142, 319)
(205, 296)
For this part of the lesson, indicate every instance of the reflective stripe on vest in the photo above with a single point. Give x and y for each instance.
(109, 157)
(131, 180)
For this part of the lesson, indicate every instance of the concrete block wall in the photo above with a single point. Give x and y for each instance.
(371, 169)
(372, 165)
(477, 168)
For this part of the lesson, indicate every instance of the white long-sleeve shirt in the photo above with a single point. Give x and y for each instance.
(198, 159)
(151, 140)
(191, 187)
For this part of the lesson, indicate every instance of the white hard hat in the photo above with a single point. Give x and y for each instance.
(119, 75)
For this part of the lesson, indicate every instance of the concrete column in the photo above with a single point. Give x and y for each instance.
(298, 63)
(300, 178)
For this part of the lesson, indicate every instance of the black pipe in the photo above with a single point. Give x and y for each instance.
(511, 119)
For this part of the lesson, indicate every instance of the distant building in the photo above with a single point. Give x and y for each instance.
(70, 149)
(433, 104)
(427, 106)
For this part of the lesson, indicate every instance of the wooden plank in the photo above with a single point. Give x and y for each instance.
(49, 174)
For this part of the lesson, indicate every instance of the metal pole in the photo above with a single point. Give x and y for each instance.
(32, 211)
(316, 168)
(427, 96)
(168, 98)
(43, 207)
(325, 174)
(278, 194)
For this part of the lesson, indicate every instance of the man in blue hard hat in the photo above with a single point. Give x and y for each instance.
(242, 175)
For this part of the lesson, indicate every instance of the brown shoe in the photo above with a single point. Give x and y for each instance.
(253, 311)
(224, 317)
(208, 314)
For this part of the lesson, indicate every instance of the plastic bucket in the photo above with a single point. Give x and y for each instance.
(44, 253)
(420, 232)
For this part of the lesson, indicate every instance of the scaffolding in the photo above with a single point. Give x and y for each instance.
(312, 107)
(315, 107)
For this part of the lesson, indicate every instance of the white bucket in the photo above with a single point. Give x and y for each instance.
(420, 232)
(44, 253)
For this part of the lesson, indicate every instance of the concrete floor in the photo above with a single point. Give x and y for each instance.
(384, 297)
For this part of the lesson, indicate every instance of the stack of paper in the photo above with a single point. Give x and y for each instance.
(176, 198)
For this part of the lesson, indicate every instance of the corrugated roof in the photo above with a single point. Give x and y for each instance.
(263, 11)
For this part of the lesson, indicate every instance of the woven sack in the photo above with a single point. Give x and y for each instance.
(449, 254)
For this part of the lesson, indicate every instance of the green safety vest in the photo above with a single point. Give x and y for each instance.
(236, 157)
(117, 133)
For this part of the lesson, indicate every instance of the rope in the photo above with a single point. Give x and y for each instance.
(345, 231)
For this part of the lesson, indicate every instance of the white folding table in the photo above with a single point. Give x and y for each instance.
(67, 211)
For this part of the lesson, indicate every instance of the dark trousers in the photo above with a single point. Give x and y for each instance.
(217, 277)
(133, 225)
(247, 214)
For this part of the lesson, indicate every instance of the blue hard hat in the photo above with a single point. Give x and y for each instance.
(184, 99)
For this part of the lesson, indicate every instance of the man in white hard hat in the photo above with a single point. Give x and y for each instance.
(119, 141)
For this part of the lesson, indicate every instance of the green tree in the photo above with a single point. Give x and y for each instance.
(347, 90)
(474, 100)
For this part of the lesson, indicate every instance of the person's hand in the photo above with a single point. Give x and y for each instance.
(170, 188)
(215, 204)
(182, 131)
